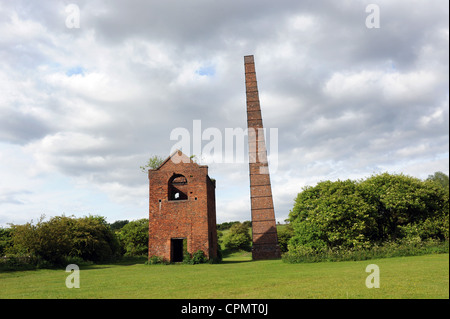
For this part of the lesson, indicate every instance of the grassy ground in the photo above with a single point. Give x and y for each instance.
(238, 277)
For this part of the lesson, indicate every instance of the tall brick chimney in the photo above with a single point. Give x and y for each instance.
(265, 239)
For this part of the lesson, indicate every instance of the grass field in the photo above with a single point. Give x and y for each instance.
(238, 277)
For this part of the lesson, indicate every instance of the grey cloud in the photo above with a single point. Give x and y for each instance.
(19, 128)
(13, 197)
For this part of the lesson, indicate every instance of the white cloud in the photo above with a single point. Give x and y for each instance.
(435, 117)
(152, 55)
(23, 29)
(412, 86)
(300, 22)
(395, 87)
(352, 86)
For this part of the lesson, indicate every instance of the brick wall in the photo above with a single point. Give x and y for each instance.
(193, 218)
(265, 239)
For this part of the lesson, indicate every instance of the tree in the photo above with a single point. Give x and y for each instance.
(118, 224)
(352, 214)
(89, 238)
(439, 178)
(134, 237)
(401, 200)
(48, 240)
(238, 237)
(284, 236)
(5, 240)
(153, 162)
(92, 239)
(226, 225)
(331, 214)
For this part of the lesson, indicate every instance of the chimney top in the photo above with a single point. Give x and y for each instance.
(249, 59)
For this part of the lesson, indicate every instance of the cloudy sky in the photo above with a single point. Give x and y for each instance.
(83, 107)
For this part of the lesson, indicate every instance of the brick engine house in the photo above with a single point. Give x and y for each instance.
(182, 213)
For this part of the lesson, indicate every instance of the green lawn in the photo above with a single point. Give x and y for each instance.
(404, 277)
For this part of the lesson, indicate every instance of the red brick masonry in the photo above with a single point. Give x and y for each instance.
(188, 216)
(265, 239)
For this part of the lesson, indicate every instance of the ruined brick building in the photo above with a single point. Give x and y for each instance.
(182, 214)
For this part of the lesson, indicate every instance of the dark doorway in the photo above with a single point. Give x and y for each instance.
(177, 249)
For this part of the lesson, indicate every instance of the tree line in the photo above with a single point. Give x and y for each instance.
(363, 215)
(62, 240)
(65, 239)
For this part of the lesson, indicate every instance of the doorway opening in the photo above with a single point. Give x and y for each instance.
(177, 249)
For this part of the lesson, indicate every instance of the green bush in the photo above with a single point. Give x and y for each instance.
(238, 237)
(134, 237)
(77, 261)
(88, 238)
(400, 200)
(5, 240)
(18, 262)
(399, 248)
(156, 260)
(226, 225)
(332, 214)
(92, 240)
(283, 238)
(187, 259)
(199, 257)
(399, 213)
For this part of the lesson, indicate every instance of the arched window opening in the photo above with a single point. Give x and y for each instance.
(177, 189)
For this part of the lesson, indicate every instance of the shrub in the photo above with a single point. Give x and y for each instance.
(332, 214)
(226, 225)
(199, 257)
(398, 248)
(238, 237)
(134, 237)
(77, 261)
(88, 238)
(47, 240)
(187, 258)
(156, 260)
(401, 200)
(18, 262)
(5, 240)
(283, 238)
(92, 239)
(357, 215)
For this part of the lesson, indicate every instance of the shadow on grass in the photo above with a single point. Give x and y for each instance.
(236, 256)
(234, 261)
(124, 261)
(228, 257)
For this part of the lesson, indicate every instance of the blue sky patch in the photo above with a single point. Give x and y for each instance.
(206, 71)
(75, 70)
